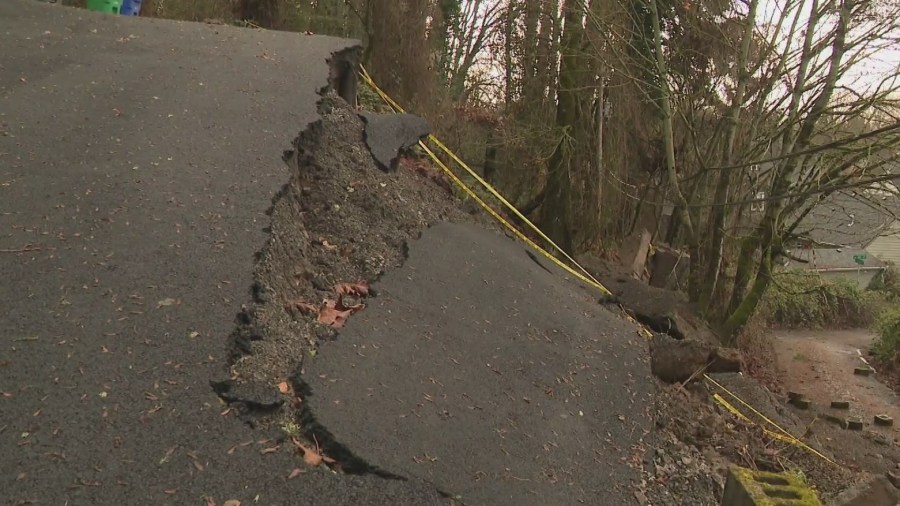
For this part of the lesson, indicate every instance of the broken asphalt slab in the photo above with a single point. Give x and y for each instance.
(388, 135)
(479, 371)
(138, 158)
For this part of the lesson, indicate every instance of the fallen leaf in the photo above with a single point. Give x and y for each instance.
(330, 314)
(232, 502)
(312, 458)
(20, 477)
(210, 501)
(295, 473)
(272, 449)
(171, 491)
(166, 302)
(284, 388)
(360, 289)
(194, 334)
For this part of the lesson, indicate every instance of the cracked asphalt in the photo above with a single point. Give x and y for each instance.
(488, 373)
(137, 159)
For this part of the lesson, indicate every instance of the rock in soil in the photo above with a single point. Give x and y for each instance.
(672, 360)
(877, 492)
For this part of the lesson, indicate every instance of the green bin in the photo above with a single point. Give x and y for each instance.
(110, 6)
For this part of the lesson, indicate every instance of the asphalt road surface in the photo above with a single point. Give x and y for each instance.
(480, 370)
(137, 158)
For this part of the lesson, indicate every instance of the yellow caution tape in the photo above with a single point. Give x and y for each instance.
(584, 275)
(781, 435)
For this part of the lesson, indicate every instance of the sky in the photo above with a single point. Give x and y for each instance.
(885, 61)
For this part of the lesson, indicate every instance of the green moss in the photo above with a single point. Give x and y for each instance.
(771, 489)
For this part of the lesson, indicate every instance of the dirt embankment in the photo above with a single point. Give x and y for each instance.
(341, 222)
(819, 364)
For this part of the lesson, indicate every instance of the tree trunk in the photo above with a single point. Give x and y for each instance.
(663, 99)
(769, 233)
(555, 213)
(508, 50)
(530, 85)
(720, 199)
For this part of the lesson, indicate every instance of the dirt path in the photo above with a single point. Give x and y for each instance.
(820, 363)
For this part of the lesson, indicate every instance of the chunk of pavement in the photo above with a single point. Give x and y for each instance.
(253, 396)
(388, 135)
(663, 311)
(673, 360)
(877, 492)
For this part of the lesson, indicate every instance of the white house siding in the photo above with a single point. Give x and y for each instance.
(887, 247)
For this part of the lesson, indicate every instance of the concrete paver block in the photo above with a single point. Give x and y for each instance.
(840, 404)
(801, 403)
(746, 487)
(862, 371)
(883, 420)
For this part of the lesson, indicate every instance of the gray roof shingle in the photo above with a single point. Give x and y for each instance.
(851, 218)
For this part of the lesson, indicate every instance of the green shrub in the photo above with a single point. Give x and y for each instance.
(803, 299)
(887, 328)
(888, 283)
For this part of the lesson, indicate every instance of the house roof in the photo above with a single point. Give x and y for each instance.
(826, 259)
(851, 218)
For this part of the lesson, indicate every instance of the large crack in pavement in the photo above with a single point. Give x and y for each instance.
(339, 219)
(472, 368)
(143, 154)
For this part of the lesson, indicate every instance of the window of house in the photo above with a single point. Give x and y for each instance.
(759, 203)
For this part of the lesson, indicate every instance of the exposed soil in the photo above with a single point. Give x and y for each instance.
(340, 220)
(697, 439)
(820, 364)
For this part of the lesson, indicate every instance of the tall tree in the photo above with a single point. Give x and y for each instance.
(556, 212)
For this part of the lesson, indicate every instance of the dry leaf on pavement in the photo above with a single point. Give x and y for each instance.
(334, 314)
(311, 456)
